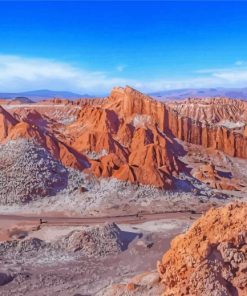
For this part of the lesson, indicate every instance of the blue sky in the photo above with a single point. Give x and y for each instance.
(92, 46)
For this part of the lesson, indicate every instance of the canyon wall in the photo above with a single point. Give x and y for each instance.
(230, 141)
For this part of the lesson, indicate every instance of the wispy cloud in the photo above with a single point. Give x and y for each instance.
(231, 76)
(120, 68)
(235, 76)
(240, 63)
(19, 73)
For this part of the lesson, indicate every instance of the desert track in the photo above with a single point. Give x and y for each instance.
(70, 221)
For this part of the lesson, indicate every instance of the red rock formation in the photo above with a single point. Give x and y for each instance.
(57, 149)
(189, 121)
(6, 123)
(127, 102)
(94, 131)
(125, 134)
(11, 129)
(230, 141)
(133, 154)
(245, 131)
(88, 102)
(209, 175)
(100, 119)
(129, 135)
(54, 101)
(16, 101)
(211, 257)
(211, 110)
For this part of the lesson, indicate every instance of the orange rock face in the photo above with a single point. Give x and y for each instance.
(7, 122)
(211, 257)
(128, 102)
(229, 140)
(218, 180)
(14, 130)
(128, 135)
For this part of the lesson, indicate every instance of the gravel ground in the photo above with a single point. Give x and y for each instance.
(32, 181)
(128, 250)
(27, 172)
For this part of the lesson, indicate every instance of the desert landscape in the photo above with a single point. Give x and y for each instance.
(91, 187)
(123, 148)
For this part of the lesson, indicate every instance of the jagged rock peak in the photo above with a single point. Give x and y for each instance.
(128, 92)
(7, 121)
(6, 113)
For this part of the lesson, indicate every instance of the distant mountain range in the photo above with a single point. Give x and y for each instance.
(36, 95)
(240, 93)
(44, 94)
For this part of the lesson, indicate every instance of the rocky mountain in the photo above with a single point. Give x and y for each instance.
(130, 136)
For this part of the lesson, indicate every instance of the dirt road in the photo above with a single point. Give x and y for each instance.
(73, 221)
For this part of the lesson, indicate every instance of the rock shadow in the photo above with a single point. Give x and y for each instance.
(126, 237)
(227, 175)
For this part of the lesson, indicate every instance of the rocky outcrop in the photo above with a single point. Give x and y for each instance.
(94, 241)
(59, 150)
(211, 110)
(6, 123)
(11, 129)
(211, 257)
(127, 102)
(128, 135)
(192, 121)
(122, 139)
(208, 174)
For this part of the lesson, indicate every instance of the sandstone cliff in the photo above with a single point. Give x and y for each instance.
(231, 141)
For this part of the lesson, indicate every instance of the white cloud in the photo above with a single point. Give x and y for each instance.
(225, 77)
(233, 76)
(120, 68)
(20, 73)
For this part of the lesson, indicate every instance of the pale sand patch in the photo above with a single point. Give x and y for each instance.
(164, 225)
